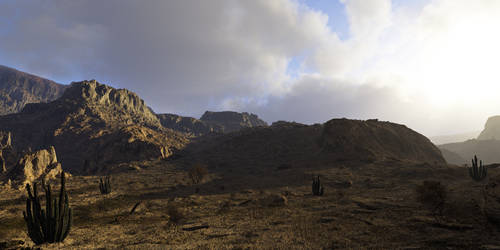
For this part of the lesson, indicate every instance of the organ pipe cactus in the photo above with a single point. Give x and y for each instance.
(317, 188)
(477, 172)
(105, 185)
(52, 224)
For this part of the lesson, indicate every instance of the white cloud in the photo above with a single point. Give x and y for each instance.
(414, 66)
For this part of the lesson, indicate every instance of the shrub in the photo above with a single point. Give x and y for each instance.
(174, 213)
(197, 173)
(432, 194)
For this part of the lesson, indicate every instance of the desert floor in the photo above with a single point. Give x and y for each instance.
(264, 207)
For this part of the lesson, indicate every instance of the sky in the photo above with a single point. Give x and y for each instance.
(429, 64)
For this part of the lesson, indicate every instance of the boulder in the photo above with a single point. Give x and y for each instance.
(34, 166)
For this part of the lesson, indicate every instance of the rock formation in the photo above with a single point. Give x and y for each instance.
(188, 125)
(232, 121)
(34, 166)
(93, 125)
(491, 129)
(18, 88)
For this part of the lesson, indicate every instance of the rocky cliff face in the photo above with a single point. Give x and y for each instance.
(491, 129)
(232, 121)
(18, 89)
(93, 125)
(188, 125)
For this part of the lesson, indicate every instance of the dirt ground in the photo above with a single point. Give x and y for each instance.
(365, 206)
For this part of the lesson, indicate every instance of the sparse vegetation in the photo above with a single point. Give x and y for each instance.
(197, 173)
(52, 224)
(478, 172)
(174, 213)
(105, 185)
(317, 188)
(432, 194)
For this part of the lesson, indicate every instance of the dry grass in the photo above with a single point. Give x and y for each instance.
(378, 211)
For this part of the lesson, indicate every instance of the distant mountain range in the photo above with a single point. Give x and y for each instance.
(18, 88)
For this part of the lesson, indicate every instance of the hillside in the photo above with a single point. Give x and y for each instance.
(18, 88)
(337, 140)
(92, 126)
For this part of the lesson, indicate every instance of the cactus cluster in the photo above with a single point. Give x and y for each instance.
(477, 172)
(105, 185)
(317, 188)
(52, 224)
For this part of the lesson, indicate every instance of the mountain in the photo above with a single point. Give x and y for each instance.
(211, 122)
(188, 125)
(18, 89)
(443, 139)
(92, 126)
(491, 129)
(338, 140)
(486, 146)
(232, 121)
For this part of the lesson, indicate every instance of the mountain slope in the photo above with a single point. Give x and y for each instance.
(297, 144)
(18, 88)
(91, 126)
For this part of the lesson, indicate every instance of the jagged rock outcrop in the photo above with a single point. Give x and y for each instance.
(290, 144)
(18, 89)
(232, 121)
(188, 125)
(491, 129)
(33, 166)
(87, 124)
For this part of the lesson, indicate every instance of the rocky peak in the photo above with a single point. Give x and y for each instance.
(491, 129)
(233, 121)
(110, 104)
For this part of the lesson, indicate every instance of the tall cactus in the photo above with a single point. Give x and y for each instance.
(477, 172)
(105, 186)
(52, 224)
(317, 188)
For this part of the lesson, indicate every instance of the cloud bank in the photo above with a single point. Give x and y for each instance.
(432, 68)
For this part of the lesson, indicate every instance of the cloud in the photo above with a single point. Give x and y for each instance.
(416, 66)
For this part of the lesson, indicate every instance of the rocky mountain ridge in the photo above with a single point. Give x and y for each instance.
(19, 88)
(93, 125)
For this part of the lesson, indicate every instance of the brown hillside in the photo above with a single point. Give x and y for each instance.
(18, 88)
(336, 140)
